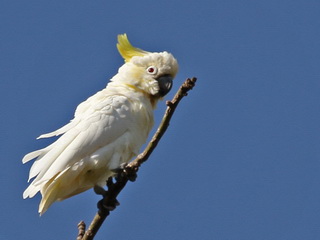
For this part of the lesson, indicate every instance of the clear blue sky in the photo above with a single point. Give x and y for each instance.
(241, 158)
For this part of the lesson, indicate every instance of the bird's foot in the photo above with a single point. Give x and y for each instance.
(131, 173)
(125, 170)
(107, 202)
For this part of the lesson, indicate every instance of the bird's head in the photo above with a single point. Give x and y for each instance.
(151, 73)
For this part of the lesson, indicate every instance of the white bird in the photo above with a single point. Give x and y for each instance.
(108, 128)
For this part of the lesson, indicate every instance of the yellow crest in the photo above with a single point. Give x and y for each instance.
(126, 50)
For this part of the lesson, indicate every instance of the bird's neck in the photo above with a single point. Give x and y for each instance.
(135, 92)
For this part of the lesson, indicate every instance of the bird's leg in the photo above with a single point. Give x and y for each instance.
(122, 174)
(107, 202)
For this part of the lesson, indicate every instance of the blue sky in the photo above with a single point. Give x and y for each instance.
(241, 158)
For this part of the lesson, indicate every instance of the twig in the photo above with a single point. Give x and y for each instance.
(82, 230)
(129, 172)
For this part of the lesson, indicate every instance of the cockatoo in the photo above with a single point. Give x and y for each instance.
(108, 129)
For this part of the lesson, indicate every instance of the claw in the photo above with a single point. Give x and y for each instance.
(109, 205)
(131, 174)
(99, 190)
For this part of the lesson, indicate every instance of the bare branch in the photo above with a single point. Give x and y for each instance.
(171, 106)
(129, 172)
(82, 229)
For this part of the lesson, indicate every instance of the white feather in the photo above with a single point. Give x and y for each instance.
(108, 129)
(102, 135)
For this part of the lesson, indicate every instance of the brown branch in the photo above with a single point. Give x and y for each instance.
(109, 201)
(82, 230)
(171, 106)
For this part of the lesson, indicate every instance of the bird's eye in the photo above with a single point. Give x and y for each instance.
(152, 70)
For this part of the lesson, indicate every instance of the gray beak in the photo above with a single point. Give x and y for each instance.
(165, 84)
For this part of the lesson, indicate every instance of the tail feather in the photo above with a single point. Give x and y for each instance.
(50, 192)
(70, 182)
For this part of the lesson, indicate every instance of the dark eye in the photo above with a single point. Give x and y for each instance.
(152, 70)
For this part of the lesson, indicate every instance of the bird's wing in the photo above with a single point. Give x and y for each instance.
(99, 123)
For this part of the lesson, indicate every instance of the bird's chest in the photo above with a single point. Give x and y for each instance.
(142, 119)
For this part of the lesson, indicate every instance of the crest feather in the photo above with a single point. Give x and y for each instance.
(126, 50)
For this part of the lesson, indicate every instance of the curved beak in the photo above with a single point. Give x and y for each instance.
(165, 84)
